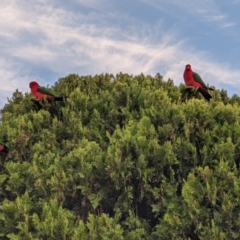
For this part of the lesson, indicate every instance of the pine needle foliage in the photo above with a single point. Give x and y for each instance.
(124, 157)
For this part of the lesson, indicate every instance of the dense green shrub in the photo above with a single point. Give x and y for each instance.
(124, 157)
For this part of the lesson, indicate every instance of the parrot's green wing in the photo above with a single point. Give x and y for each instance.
(197, 78)
(45, 91)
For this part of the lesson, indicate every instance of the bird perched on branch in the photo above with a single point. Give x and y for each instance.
(194, 82)
(41, 93)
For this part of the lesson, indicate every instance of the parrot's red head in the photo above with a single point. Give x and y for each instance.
(33, 85)
(188, 67)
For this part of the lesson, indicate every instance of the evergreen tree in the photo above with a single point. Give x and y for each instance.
(123, 157)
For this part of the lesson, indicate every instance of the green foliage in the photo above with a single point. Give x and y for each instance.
(124, 157)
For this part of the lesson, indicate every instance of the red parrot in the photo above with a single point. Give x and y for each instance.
(3, 149)
(194, 81)
(41, 93)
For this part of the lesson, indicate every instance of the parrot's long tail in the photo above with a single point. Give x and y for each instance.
(205, 93)
(59, 98)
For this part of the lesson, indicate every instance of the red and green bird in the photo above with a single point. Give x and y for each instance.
(3, 149)
(40, 93)
(194, 81)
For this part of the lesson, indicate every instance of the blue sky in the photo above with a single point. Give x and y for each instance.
(44, 40)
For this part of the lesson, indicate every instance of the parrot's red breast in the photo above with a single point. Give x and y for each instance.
(34, 90)
(188, 77)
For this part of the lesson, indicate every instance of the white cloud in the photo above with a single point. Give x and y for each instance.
(90, 43)
(13, 76)
(230, 24)
(215, 17)
(95, 4)
(205, 10)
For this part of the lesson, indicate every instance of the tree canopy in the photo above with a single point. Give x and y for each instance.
(123, 157)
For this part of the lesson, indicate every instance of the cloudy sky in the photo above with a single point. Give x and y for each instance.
(44, 40)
